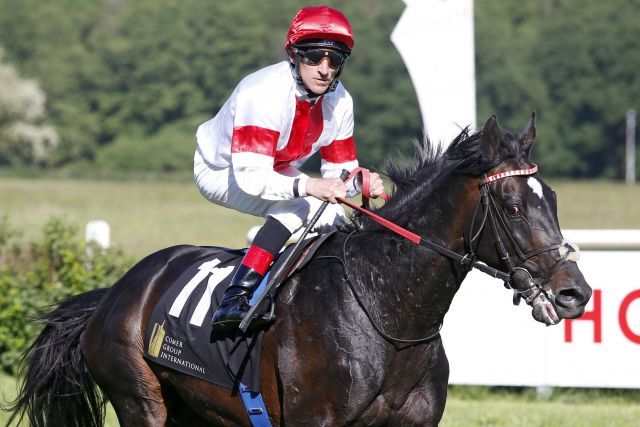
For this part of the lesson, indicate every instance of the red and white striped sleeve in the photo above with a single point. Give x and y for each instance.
(256, 129)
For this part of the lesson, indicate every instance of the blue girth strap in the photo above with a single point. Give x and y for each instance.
(252, 401)
(254, 406)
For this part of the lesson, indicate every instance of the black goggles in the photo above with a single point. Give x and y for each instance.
(314, 56)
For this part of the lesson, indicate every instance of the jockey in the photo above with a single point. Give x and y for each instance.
(248, 155)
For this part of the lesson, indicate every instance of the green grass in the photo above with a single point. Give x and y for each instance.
(597, 204)
(9, 390)
(520, 407)
(509, 412)
(144, 216)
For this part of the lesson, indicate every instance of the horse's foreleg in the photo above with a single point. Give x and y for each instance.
(425, 405)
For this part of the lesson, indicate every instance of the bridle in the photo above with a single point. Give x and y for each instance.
(517, 277)
(520, 280)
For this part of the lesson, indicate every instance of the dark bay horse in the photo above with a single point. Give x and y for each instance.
(335, 354)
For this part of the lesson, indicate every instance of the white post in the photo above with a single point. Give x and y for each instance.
(436, 41)
(631, 147)
(98, 231)
(544, 392)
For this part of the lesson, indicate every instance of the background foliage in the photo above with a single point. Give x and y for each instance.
(128, 81)
(571, 61)
(33, 276)
(23, 140)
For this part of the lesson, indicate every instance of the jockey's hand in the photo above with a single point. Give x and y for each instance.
(376, 186)
(327, 190)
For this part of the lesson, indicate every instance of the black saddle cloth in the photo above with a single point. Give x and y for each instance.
(179, 334)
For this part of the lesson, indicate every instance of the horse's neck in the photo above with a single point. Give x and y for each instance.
(446, 211)
(417, 285)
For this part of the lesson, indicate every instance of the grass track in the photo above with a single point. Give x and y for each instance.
(504, 411)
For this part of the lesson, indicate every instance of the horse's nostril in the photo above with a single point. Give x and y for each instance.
(569, 297)
(569, 293)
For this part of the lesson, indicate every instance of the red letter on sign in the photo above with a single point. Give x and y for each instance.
(622, 316)
(595, 315)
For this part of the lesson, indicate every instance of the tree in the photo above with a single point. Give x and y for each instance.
(574, 62)
(23, 139)
(118, 72)
(139, 75)
(588, 58)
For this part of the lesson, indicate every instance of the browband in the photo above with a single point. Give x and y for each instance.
(505, 174)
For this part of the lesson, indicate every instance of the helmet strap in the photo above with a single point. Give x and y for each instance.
(336, 79)
(295, 70)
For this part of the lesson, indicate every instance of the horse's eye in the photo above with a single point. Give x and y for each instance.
(513, 210)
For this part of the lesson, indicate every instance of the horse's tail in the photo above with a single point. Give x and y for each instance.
(57, 389)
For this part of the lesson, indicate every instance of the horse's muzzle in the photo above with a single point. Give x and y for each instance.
(571, 291)
(570, 301)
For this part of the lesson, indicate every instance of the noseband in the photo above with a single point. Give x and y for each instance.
(520, 280)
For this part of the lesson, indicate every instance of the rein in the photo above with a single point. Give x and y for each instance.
(467, 260)
(517, 278)
(383, 334)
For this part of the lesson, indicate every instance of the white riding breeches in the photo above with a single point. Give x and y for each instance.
(219, 186)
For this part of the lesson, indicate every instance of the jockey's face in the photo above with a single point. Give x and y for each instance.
(317, 78)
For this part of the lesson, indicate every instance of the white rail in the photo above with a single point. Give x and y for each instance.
(604, 239)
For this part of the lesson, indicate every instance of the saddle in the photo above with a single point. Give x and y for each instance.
(178, 334)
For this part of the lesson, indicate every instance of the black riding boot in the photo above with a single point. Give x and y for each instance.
(235, 301)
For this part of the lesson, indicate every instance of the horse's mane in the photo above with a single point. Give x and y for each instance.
(416, 178)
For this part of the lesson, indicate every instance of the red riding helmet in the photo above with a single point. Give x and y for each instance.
(320, 23)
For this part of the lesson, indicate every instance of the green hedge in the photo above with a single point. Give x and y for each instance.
(35, 275)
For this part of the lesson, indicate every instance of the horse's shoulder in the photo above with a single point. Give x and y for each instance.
(311, 271)
(331, 244)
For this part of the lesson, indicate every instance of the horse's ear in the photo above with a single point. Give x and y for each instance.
(491, 138)
(528, 134)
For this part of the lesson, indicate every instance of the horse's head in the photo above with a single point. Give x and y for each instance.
(516, 228)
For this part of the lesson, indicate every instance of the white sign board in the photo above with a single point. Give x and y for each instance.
(436, 41)
(489, 341)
